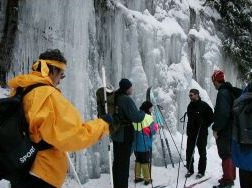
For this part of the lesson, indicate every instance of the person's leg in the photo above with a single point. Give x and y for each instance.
(189, 154)
(245, 178)
(201, 144)
(122, 152)
(228, 170)
(116, 163)
(224, 151)
(146, 167)
(138, 170)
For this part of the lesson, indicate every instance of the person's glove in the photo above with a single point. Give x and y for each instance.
(108, 118)
(147, 131)
(155, 126)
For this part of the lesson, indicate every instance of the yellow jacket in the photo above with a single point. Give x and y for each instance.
(54, 119)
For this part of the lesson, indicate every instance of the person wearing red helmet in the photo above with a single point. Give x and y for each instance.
(222, 127)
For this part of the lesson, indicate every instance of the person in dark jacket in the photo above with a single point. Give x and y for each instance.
(222, 127)
(241, 137)
(124, 136)
(200, 117)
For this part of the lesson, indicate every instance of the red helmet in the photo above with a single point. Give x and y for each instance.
(218, 75)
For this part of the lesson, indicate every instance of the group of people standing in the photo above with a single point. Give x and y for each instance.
(54, 120)
(135, 133)
(200, 118)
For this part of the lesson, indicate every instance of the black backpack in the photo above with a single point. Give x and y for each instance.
(17, 152)
(112, 108)
(242, 125)
(236, 92)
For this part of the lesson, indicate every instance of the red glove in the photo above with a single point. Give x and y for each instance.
(147, 131)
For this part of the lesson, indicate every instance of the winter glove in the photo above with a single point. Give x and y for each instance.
(147, 131)
(108, 118)
(155, 126)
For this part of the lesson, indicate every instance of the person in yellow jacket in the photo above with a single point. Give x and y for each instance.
(53, 119)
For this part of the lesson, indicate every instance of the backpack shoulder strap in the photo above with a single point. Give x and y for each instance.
(42, 145)
(31, 87)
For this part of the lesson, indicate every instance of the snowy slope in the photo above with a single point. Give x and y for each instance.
(163, 176)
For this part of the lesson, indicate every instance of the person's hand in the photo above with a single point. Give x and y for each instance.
(215, 134)
(147, 131)
(108, 118)
(156, 126)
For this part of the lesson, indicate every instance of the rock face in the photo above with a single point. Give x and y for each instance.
(169, 45)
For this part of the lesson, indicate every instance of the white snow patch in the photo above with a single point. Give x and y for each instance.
(4, 92)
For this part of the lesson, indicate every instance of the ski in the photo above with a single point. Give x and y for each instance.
(160, 186)
(148, 97)
(197, 183)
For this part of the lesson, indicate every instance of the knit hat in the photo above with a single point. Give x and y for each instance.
(194, 91)
(218, 76)
(146, 106)
(125, 84)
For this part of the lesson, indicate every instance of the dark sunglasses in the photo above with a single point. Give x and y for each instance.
(62, 75)
(191, 95)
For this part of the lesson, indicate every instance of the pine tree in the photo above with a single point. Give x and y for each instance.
(236, 24)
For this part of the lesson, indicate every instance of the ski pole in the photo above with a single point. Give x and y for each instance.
(163, 149)
(168, 147)
(161, 139)
(74, 171)
(191, 157)
(136, 132)
(181, 120)
(159, 107)
(110, 142)
(159, 118)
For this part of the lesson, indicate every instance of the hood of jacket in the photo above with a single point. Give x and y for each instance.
(26, 80)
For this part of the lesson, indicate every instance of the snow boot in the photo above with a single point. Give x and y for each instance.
(224, 185)
(188, 174)
(147, 182)
(137, 180)
(199, 175)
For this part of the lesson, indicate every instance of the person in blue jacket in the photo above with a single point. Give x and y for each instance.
(143, 144)
(242, 135)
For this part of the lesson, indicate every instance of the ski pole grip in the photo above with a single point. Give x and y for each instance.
(104, 86)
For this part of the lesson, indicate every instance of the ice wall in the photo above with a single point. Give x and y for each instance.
(166, 44)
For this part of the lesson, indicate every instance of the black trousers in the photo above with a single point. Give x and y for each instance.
(30, 181)
(224, 146)
(143, 157)
(245, 178)
(122, 152)
(201, 145)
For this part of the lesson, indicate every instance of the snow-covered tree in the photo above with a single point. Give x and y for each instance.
(236, 24)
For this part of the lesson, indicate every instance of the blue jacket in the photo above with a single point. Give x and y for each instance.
(144, 132)
(242, 156)
(241, 153)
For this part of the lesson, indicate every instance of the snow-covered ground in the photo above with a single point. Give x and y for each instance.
(167, 176)
(3, 92)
